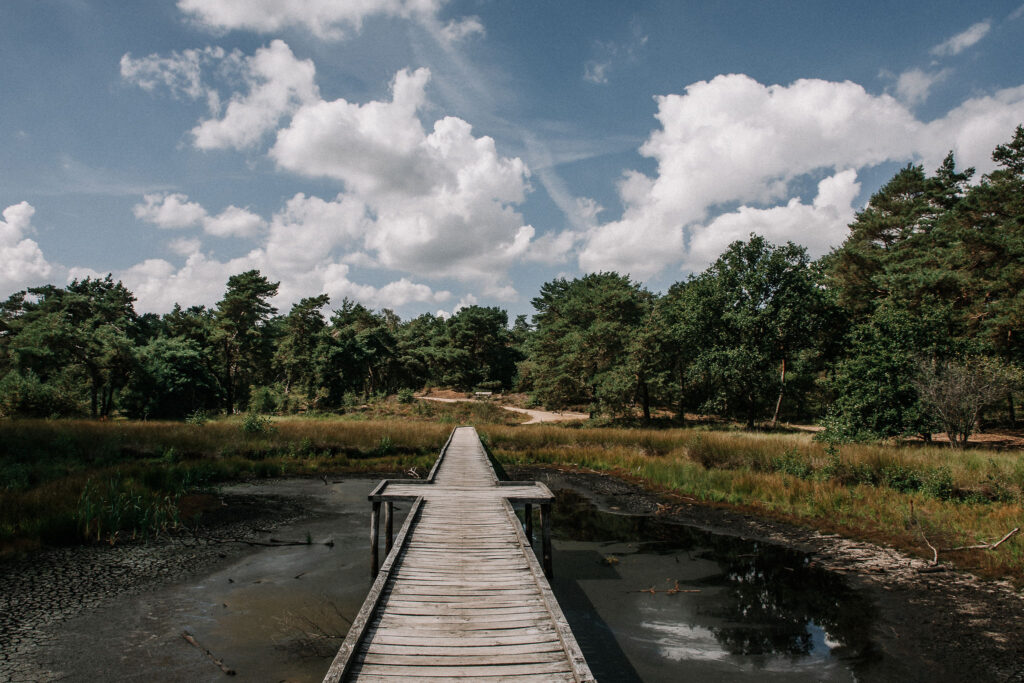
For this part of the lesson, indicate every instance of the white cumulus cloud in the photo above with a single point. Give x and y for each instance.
(171, 211)
(914, 85)
(963, 40)
(734, 142)
(325, 19)
(460, 29)
(180, 73)
(305, 246)
(818, 226)
(443, 202)
(278, 84)
(22, 263)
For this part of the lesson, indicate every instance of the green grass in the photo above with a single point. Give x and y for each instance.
(70, 481)
(886, 494)
(73, 481)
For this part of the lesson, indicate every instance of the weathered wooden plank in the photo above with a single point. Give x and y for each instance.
(416, 672)
(464, 596)
(522, 678)
(534, 634)
(458, 601)
(484, 659)
(453, 650)
(460, 623)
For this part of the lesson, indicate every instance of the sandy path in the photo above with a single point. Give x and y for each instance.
(536, 416)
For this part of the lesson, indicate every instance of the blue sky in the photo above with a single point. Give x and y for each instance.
(424, 155)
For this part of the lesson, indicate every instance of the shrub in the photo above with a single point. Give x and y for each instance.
(254, 423)
(901, 478)
(385, 446)
(25, 395)
(405, 396)
(937, 482)
(793, 463)
(267, 399)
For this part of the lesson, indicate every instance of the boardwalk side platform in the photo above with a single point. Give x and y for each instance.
(461, 594)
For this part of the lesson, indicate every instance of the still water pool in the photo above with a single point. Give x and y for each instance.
(647, 600)
(655, 601)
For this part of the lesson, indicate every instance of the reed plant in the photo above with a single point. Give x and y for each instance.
(892, 494)
(80, 480)
(56, 477)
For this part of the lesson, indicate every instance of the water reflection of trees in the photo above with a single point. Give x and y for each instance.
(771, 597)
(772, 602)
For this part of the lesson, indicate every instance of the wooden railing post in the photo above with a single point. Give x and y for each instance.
(545, 539)
(528, 521)
(389, 526)
(374, 533)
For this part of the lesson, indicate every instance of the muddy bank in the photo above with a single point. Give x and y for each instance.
(945, 626)
(117, 613)
(279, 613)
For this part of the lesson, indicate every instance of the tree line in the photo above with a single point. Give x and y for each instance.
(913, 324)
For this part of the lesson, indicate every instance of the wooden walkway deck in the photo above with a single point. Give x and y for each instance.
(461, 594)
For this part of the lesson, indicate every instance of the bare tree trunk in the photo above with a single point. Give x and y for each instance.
(93, 400)
(682, 398)
(645, 400)
(782, 390)
(229, 380)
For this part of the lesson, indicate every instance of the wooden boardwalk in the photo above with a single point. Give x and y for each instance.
(461, 594)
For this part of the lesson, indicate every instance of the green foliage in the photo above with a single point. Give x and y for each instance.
(739, 323)
(406, 396)
(930, 275)
(580, 352)
(937, 482)
(900, 477)
(171, 379)
(78, 338)
(793, 463)
(26, 395)
(481, 350)
(122, 506)
(874, 384)
(268, 399)
(385, 446)
(241, 335)
(255, 423)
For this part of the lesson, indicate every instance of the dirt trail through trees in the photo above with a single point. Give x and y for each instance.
(536, 416)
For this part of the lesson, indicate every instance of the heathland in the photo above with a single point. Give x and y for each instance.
(73, 481)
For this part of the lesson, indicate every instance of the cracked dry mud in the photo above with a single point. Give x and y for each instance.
(43, 589)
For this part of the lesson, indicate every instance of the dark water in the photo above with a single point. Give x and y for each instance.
(723, 608)
(270, 614)
(757, 612)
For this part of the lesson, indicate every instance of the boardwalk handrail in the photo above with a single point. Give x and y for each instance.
(343, 660)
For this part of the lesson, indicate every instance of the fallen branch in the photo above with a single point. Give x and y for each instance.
(935, 551)
(192, 641)
(985, 546)
(274, 542)
(671, 591)
(915, 522)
